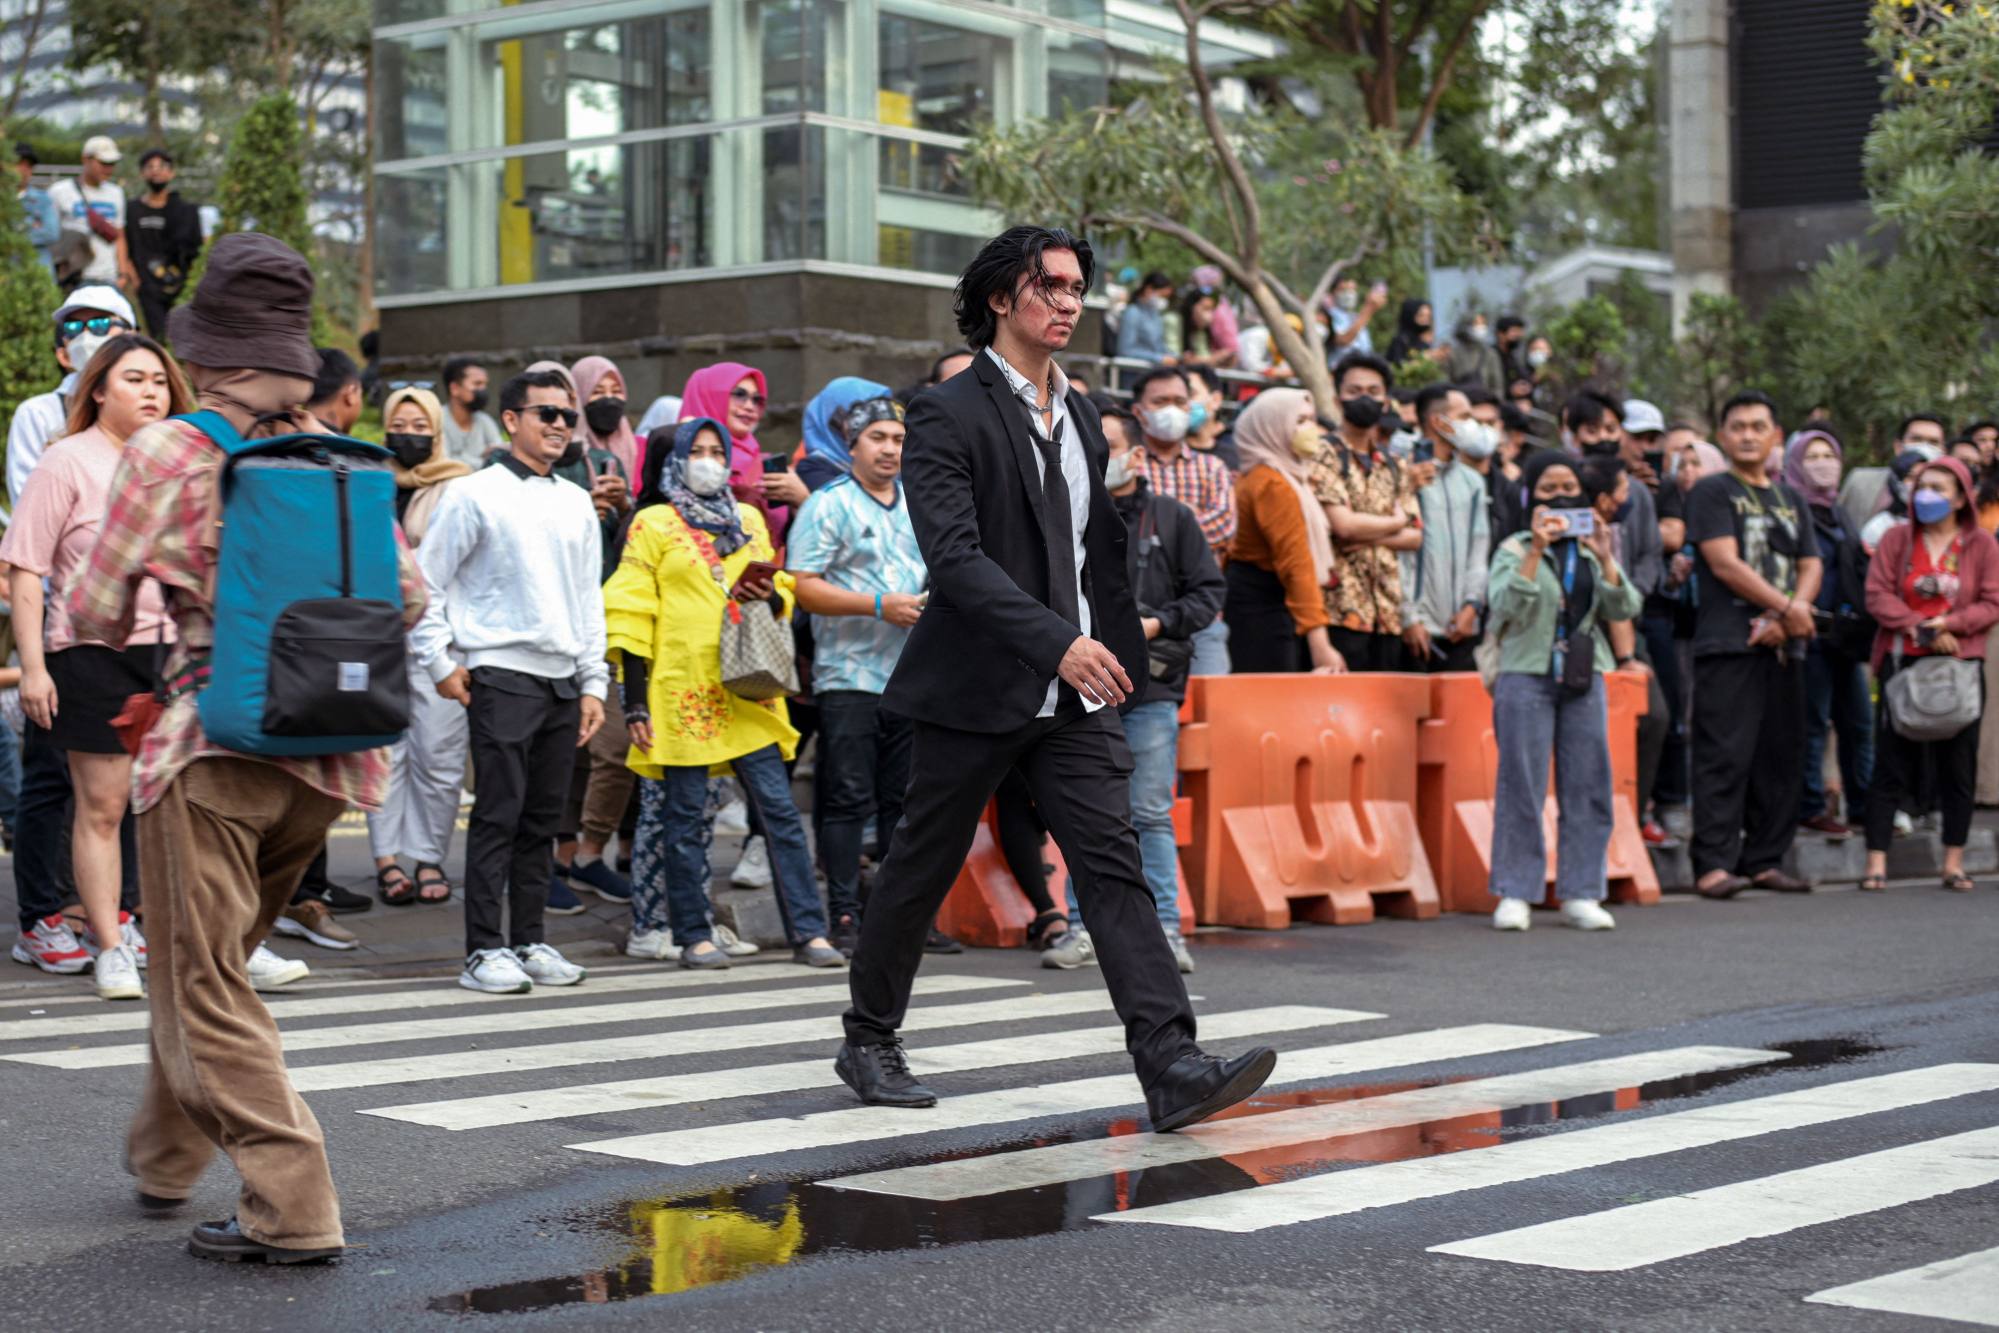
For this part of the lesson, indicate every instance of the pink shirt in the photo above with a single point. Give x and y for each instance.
(55, 527)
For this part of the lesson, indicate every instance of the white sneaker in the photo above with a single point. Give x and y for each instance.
(1512, 914)
(1904, 826)
(53, 947)
(733, 820)
(753, 871)
(653, 944)
(1586, 914)
(1072, 951)
(118, 975)
(495, 971)
(1179, 946)
(268, 971)
(129, 925)
(546, 967)
(731, 944)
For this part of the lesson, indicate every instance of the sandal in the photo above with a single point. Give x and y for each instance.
(1037, 929)
(1959, 882)
(393, 886)
(438, 880)
(1874, 884)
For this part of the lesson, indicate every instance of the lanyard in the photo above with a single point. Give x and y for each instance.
(1561, 654)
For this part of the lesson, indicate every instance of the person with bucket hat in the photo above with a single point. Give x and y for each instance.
(224, 836)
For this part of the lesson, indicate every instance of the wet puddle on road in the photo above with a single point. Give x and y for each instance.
(686, 1242)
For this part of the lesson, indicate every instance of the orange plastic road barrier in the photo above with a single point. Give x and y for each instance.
(986, 908)
(1304, 799)
(1460, 759)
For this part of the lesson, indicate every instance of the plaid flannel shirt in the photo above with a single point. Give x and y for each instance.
(1201, 482)
(163, 523)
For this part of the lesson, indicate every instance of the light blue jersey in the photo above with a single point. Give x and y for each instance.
(862, 545)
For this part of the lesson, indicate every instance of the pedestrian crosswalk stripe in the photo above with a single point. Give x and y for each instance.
(509, 1018)
(401, 1001)
(692, 1041)
(1618, 1239)
(970, 1177)
(513, 1108)
(1965, 1289)
(861, 1124)
(1361, 1188)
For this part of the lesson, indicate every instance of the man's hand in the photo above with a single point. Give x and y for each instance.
(1638, 667)
(1766, 632)
(1422, 474)
(592, 714)
(1641, 471)
(1418, 639)
(902, 609)
(457, 687)
(1464, 625)
(1094, 672)
(1151, 626)
(1798, 622)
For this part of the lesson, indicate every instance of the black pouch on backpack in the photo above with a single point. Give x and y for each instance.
(337, 668)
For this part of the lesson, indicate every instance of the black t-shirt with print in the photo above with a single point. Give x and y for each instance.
(1770, 525)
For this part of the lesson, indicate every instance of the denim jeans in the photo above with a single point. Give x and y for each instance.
(863, 770)
(1533, 718)
(10, 776)
(1211, 650)
(1153, 732)
(1837, 695)
(676, 825)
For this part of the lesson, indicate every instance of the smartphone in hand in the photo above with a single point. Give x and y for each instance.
(776, 463)
(757, 571)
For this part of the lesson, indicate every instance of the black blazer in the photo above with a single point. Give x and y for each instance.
(986, 647)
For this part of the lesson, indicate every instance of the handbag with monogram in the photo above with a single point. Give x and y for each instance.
(759, 657)
(1932, 698)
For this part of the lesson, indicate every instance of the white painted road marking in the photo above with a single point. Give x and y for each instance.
(1965, 1289)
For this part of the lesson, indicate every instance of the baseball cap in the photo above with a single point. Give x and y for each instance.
(101, 147)
(107, 299)
(1642, 418)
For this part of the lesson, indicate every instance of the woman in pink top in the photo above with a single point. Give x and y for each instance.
(72, 688)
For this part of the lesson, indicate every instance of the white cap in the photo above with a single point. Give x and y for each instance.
(1641, 417)
(102, 147)
(107, 299)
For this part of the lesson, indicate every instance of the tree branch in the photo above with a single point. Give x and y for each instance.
(1252, 240)
(1144, 219)
(1335, 269)
(1424, 13)
(28, 40)
(1440, 78)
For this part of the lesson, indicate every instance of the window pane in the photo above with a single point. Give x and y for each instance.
(409, 101)
(796, 37)
(938, 78)
(597, 212)
(794, 190)
(410, 237)
(927, 251)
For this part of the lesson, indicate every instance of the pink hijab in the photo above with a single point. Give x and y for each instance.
(707, 395)
(623, 445)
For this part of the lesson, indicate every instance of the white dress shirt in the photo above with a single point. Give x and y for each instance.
(1075, 471)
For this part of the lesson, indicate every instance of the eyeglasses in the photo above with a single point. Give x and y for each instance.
(550, 414)
(749, 396)
(100, 326)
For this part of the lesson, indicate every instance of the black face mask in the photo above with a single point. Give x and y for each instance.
(410, 450)
(478, 401)
(604, 414)
(1577, 501)
(1363, 412)
(1601, 449)
(572, 455)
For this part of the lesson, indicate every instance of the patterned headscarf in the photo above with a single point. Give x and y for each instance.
(822, 438)
(868, 411)
(665, 482)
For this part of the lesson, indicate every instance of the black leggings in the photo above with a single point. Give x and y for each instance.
(1898, 770)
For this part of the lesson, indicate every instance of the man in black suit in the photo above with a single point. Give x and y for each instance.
(1030, 640)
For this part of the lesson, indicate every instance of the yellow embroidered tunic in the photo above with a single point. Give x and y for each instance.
(665, 605)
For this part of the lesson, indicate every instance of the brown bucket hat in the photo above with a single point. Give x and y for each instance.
(252, 311)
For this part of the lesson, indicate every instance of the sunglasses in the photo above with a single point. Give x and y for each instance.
(550, 415)
(398, 385)
(748, 396)
(100, 326)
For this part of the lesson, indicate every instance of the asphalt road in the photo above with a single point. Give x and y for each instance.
(1835, 1027)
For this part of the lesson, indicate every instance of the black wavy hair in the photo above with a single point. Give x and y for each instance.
(1006, 262)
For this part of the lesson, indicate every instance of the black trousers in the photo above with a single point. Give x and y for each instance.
(1445, 656)
(1748, 760)
(524, 751)
(1262, 635)
(1078, 766)
(43, 879)
(154, 306)
(1022, 836)
(863, 769)
(1901, 765)
(1365, 651)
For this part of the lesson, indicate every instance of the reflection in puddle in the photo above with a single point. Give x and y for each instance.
(700, 1240)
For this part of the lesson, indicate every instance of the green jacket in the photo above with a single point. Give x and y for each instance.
(1525, 611)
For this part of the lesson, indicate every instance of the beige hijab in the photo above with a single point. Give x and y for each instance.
(1263, 439)
(242, 396)
(440, 466)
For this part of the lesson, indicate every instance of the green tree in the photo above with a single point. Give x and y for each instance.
(1720, 351)
(261, 187)
(27, 298)
(152, 41)
(1591, 346)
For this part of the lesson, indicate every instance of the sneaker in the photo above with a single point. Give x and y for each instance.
(118, 974)
(1830, 827)
(1587, 914)
(1512, 914)
(846, 935)
(311, 919)
(1181, 957)
(562, 900)
(732, 821)
(546, 967)
(344, 901)
(655, 945)
(268, 971)
(1072, 951)
(1904, 826)
(753, 870)
(53, 947)
(130, 926)
(600, 879)
(495, 971)
(731, 944)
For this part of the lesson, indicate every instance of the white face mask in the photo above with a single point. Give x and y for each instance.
(1169, 423)
(1537, 358)
(707, 476)
(82, 347)
(1474, 439)
(1347, 298)
(1119, 473)
(1154, 303)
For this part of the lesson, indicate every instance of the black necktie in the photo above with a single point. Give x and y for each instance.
(1059, 528)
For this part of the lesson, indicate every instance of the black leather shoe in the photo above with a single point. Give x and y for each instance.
(938, 942)
(225, 1241)
(157, 1205)
(1196, 1086)
(879, 1075)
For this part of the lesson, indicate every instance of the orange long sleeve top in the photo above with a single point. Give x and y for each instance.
(1270, 534)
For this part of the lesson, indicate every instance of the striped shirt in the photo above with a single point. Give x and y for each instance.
(1201, 482)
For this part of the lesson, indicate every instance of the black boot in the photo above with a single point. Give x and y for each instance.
(1196, 1086)
(879, 1075)
(225, 1241)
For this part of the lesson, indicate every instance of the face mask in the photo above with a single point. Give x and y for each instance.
(707, 476)
(1154, 303)
(1481, 334)
(1118, 473)
(1306, 440)
(604, 414)
(1577, 501)
(410, 450)
(1474, 439)
(1622, 513)
(1168, 423)
(1600, 449)
(1197, 417)
(1347, 298)
(84, 346)
(1930, 506)
(479, 400)
(1364, 412)
(1537, 358)
(1822, 472)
